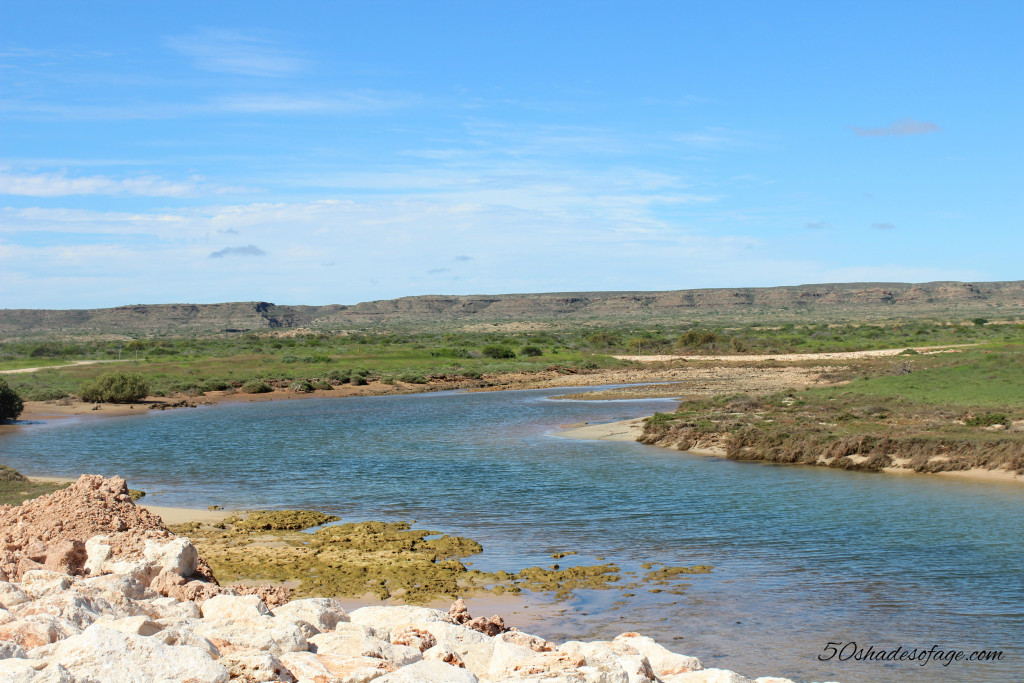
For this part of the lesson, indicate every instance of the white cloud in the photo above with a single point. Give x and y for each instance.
(899, 128)
(248, 250)
(234, 52)
(62, 185)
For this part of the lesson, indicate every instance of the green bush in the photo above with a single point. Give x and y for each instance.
(342, 376)
(359, 380)
(115, 387)
(498, 351)
(321, 384)
(256, 386)
(987, 420)
(10, 403)
(411, 378)
(531, 351)
(301, 386)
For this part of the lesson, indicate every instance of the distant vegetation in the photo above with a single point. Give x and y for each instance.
(247, 361)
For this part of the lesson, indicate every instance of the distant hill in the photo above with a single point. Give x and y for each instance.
(825, 302)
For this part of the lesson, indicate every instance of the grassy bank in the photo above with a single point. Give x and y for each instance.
(943, 412)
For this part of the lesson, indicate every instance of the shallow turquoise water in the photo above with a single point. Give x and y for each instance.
(801, 556)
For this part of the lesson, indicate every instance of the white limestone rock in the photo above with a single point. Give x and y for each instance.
(177, 555)
(184, 635)
(38, 583)
(11, 595)
(170, 608)
(139, 626)
(103, 655)
(308, 667)
(397, 617)
(36, 630)
(601, 656)
(9, 650)
(269, 634)
(235, 608)
(663, 661)
(31, 671)
(108, 585)
(429, 672)
(322, 613)
(473, 648)
(76, 609)
(707, 676)
(97, 552)
(256, 667)
(356, 643)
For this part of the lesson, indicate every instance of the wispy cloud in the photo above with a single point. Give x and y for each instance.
(62, 185)
(883, 226)
(463, 258)
(234, 52)
(818, 225)
(248, 250)
(901, 127)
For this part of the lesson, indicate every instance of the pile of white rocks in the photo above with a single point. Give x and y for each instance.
(111, 626)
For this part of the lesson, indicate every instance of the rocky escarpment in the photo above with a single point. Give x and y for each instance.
(134, 603)
(865, 301)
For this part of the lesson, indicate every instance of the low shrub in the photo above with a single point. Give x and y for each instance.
(412, 379)
(301, 386)
(11, 404)
(987, 420)
(321, 384)
(498, 351)
(531, 351)
(342, 376)
(256, 386)
(115, 387)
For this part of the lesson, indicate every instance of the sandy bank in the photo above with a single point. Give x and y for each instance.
(625, 430)
(183, 515)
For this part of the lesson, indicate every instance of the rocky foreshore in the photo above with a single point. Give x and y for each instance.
(95, 589)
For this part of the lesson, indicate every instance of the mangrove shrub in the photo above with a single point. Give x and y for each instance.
(116, 387)
(10, 403)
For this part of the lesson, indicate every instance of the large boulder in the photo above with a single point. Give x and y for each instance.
(235, 607)
(103, 655)
(321, 613)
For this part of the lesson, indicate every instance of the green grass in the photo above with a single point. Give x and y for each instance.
(982, 378)
(16, 492)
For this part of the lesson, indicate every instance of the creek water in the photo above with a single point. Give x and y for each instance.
(801, 556)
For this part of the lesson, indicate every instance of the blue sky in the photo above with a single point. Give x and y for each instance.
(337, 152)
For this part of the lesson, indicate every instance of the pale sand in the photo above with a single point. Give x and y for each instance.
(626, 430)
(788, 357)
(182, 515)
(54, 367)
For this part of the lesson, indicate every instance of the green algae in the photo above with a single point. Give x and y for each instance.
(280, 520)
(383, 559)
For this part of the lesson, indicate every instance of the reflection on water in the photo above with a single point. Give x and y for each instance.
(801, 556)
